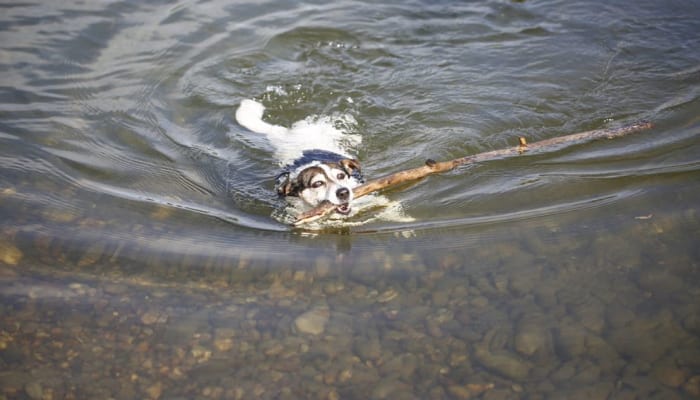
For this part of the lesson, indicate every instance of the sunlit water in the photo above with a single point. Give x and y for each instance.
(142, 253)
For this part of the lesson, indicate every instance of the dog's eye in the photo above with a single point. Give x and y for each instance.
(340, 176)
(317, 184)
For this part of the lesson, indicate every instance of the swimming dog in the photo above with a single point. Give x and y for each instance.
(316, 166)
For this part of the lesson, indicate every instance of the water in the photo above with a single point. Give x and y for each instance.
(140, 256)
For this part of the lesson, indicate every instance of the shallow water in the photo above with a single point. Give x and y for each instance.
(140, 256)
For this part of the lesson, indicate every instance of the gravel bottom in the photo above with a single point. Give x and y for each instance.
(502, 322)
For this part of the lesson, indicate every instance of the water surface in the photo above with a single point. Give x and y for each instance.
(140, 255)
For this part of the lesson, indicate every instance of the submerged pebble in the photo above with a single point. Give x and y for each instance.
(670, 375)
(155, 390)
(503, 363)
(532, 336)
(34, 390)
(313, 321)
(469, 391)
(92, 254)
(692, 386)
(153, 316)
(368, 348)
(9, 253)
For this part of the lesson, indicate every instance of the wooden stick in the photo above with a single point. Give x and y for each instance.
(433, 167)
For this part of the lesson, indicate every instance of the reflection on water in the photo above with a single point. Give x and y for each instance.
(138, 253)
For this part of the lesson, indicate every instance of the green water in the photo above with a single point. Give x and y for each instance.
(140, 256)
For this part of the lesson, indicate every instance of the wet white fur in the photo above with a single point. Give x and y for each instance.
(289, 143)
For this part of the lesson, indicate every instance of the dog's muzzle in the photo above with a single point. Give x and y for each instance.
(343, 194)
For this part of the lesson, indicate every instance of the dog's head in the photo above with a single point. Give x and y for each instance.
(317, 181)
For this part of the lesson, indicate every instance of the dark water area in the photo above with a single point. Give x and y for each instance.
(141, 255)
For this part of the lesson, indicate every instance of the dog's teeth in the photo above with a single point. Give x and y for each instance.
(343, 209)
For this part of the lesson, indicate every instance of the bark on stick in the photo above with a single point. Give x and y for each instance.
(434, 167)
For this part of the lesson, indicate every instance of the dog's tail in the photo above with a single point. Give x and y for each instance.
(249, 115)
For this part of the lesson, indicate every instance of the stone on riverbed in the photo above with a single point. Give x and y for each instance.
(532, 336)
(502, 362)
(469, 391)
(313, 321)
(368, 348)
(669, 375)
(34, 390)
(403, 365)
(391, 388)
(591, 314)
(155, 391)
(571, 339)
(693, 386)
(9, 253)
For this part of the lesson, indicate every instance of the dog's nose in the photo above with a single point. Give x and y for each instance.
(342, 194)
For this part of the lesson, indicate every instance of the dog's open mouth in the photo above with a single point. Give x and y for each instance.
(343, 209)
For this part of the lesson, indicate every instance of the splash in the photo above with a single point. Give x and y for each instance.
(313, 132)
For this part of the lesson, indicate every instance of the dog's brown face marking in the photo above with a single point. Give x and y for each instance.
(292, 187)
(350, 166)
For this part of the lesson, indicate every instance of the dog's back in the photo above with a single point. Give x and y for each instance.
(290, 143)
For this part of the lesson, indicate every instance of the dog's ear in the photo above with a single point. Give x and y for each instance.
(285, 186)
(351, 166)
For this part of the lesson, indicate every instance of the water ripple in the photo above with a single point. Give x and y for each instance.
(133, 103)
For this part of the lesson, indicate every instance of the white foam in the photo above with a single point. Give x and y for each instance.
(313, 132)
(276, 89)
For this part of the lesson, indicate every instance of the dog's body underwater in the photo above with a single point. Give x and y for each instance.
(316, 167)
